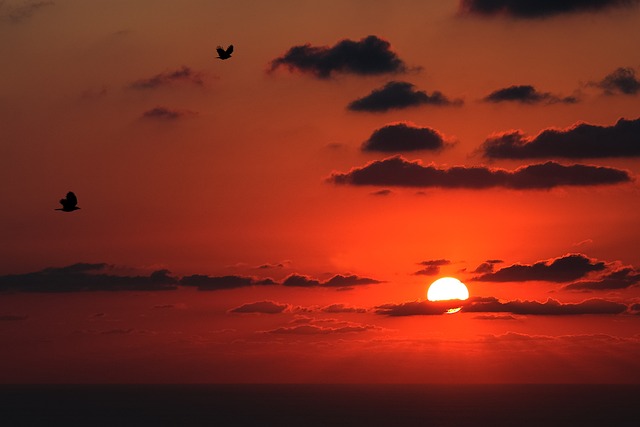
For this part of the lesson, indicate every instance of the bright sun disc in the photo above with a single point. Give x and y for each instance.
(447, 288)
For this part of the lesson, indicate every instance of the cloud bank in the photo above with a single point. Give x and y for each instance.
(368, 56)
(563, 269)
(399, 95)
(582, 141)
(399, 137)
(399, 172)
(538, 8)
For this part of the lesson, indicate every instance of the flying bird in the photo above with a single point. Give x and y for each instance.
(224, 54)
(69, 204)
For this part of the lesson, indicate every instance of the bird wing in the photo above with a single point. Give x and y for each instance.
(72, 199)
(220, 51)
(229, 49)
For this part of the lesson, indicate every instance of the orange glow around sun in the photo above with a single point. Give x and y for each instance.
(447, 288)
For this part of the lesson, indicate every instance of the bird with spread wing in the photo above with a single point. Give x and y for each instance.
(69, 204)
(224, 54)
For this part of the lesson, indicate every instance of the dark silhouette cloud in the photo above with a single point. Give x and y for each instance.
(622, 80)
(84, 277)
(368, 56)
(487, 266)
(337, 281)
(432, 267)
(164, 113)
(493, 305)
(582, 141)
(399, 172)
(323, 330)
(564, 269)
(550, 307)
(527, 95)
(399, 95)
(400, 137)
(184, 74)
(22, 12)
(264, 307)
(383, 192)
(216, 283)
(619, 279)
(341, 308)
(538, 8)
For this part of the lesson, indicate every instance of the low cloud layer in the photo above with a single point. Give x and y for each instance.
(399, 95)
(582, 141)
(217, 283)
(564, 269)
(526, 94)
(399, 172)
(537, 8)
(263, 307)
(337, 281)
(493, 305)
(368, 56)
(399, 137)
(619, 279)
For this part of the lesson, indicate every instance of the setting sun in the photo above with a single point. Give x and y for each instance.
(447, 288)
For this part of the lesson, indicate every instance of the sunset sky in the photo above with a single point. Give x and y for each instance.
(279, 216)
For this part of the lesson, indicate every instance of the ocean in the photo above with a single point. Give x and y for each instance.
(307, 405)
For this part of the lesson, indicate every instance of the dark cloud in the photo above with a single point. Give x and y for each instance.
(368, 56)
(494, 317)
(383, 192)
(582, 141)
(622, 80)
(337, 281)
(399, 137)
(527, 95)
(217, 283)
(184, 74)
(397, 171)
(432, 267)
(619, 279)
(22, 12)
(487, 266)
(493, 305)
(550, 307)
(538, 8)
(341, 308)
(564, 269)
(399, 95)
(323, 330)
(83, 277)
(265, 307)
(164, 113)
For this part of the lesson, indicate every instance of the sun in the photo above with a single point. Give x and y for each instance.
(447, 288)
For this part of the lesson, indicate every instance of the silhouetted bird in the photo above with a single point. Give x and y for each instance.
(69, 204)
(224, 54)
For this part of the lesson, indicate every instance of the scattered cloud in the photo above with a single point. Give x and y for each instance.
(398, 137)
(167, 114)
(84, 277)
(621, 81)
(493, 305)
(619, 279)
(527, 94)
(495, 317)
(399, 172)
(537, 9)
(563, 269)
(398, 95)
(383, 192)
(487, 266)
(368, 56)
(217, 283)
(309, 326)
(432, 267)
(264, 307)
(181, 75)
(582, 141)
(342, 308)
(337, 281)
(21, 12)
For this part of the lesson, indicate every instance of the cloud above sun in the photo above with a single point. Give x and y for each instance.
(538, 8)
(564, 269)
(398, 95)
(399, 172)
(581, 141)
(399, 137)
(368, 56)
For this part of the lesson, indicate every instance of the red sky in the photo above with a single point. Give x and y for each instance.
(343, 148)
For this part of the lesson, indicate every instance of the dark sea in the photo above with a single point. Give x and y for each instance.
(320, 405)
